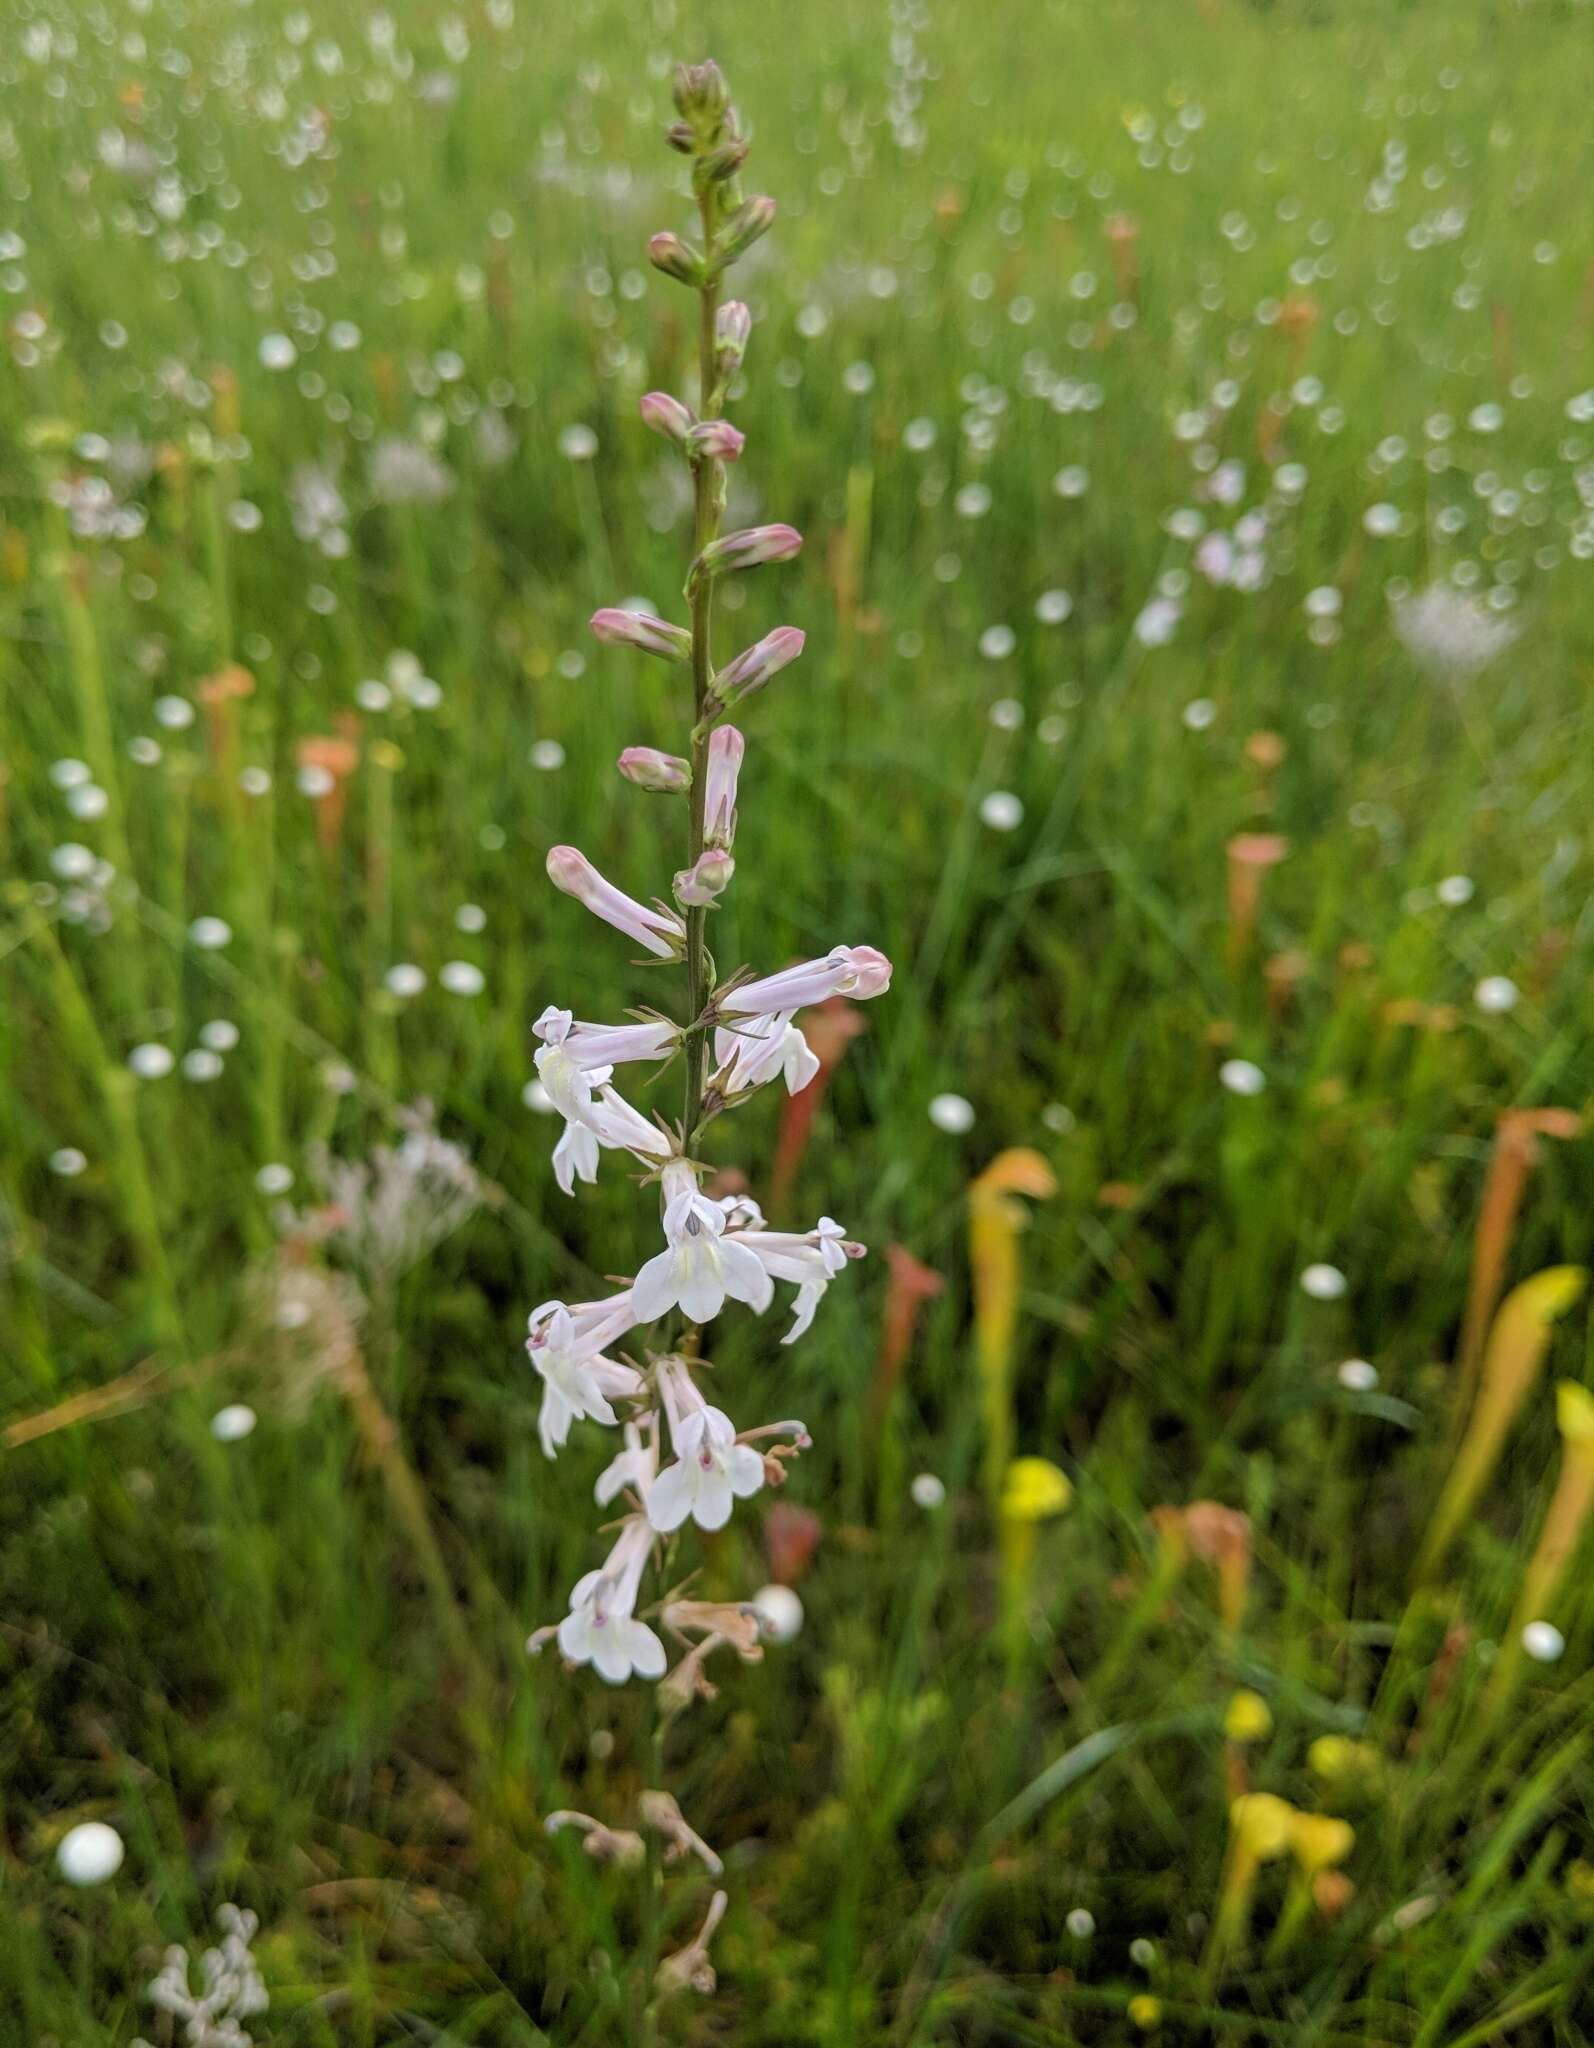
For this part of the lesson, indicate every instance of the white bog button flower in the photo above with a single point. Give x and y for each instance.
(1543, 1641)
(89, 1853)
(1496, 994)
(151, 1062)
(1323, 1282)
(928, 1491)
(230, 1425)
(953, 1114)
(1242, 1077)
(1356, 1376)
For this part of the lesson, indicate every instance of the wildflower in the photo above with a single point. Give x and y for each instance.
(661, 1813)
(702, 1265)
(89, 1853)
(601, 1628)
(233, 1989)
(689, 1968)
(1452, 636)
(810, 1260)
(393, 1206)
(566, 1345)
(1512, 1359)
(996, 1219)
(712, 1470)
(403, 472)
(622, 1847)
(856, 971)
(660, 931)
(750, 1054)
(1247, 1718)
(953, 1114)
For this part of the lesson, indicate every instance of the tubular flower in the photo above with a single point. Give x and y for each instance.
(752, 1053)
(566, 1346)
(660, 931)
(810, 1260)
(856, 971)
(712, 1470)
(601, 1628)
(701, 1267)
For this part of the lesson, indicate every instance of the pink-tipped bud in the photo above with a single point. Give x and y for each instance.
(715, 441)
(745, 550)
(649, 769)
(660, 931)
(732, 326)
(725, 750)
(707, 878)
(665, 415)
(700, 93)
(754, 666)
(750, 220)
(642, 631)
(676, 259)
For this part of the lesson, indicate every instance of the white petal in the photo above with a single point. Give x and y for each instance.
(808, 1299)
(745, 1470)
(670, 1497)
(712, 1508)
(644, 1649)
(609, 1652)
(595, 1407)
(703, 1284)
(575, 1635)
(744, 1277)
(654, 1291)
(554, 1419)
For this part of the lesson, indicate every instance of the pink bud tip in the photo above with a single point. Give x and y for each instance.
(665, 415)
(649, 769)
(716, 440)
(618, 628)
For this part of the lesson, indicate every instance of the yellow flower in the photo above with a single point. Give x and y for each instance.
(1261, 1824)
(1320, 1841)
(1248, 1719)
(1034, 1491)
(1145, 2011)
(1338, 1757)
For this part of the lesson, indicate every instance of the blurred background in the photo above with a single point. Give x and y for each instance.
(1189, 413)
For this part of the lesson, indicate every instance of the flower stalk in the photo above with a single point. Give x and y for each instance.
(684, 1461)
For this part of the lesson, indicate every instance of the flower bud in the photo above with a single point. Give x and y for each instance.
(725, 750)
(754, 666)
(681, 136)
(700, 94)
(750, 220)
(665, 415)
(714, 441)
(649, 769)
(715, 166)
(642, 631)
(732, 326)
(745, 550)
(708, 877)
(676, 259)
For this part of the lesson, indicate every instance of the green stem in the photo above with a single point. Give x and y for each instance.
(708, 481)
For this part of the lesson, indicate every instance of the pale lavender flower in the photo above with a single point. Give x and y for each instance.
(601, 1628)
(660, 931)
(618, 628)
(706, 880)
(700, 1267)
(857, 971)
(666, 774)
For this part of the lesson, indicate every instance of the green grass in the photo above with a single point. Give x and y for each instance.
(244, 1655)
